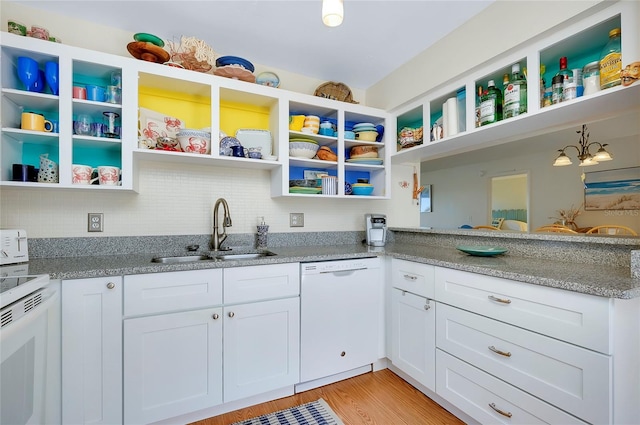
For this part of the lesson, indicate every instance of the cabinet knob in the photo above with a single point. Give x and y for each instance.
(231, 314)
(215, 316)
(343, 354)
(111, 285)
(410, 277)
(427, 306)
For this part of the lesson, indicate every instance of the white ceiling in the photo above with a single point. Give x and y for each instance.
(375, 38)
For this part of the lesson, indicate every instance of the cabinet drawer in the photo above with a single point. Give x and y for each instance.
(572, 378)
(413, 277)
(570, 316)
(172, 291)
(254, 283)
(483, 396)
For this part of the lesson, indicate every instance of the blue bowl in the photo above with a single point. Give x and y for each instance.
(361, 190)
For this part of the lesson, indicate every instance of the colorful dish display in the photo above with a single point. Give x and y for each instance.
(268, 79)
(154, 125)
(481, 251)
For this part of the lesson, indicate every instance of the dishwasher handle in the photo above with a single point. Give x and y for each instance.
(343, 271)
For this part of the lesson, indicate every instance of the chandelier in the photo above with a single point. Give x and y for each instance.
(584, 155)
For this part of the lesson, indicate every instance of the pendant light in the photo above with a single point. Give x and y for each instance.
(586, 158)
(332, 12)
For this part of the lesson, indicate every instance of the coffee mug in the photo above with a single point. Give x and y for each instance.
(79, 92)
(95, 93)
(237, 151)
(35, 122)
(108, 175)
(81, 174)
(254, 152)
(24, 173)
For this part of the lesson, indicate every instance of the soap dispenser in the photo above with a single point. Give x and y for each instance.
(263, 229)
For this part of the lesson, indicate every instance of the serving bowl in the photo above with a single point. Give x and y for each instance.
(194, 141)
(303, 149)
(367, 136)
(361, 189)
(364, 152)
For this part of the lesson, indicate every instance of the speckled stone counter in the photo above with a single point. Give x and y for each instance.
(595, 279)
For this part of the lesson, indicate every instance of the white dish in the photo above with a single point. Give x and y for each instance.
(253, 138)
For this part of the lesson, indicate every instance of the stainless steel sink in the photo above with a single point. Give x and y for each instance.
(242, 255)
(180, 259)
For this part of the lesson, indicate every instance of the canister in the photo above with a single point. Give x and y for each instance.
(591, 78)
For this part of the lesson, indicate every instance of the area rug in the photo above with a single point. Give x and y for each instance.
(315, 413)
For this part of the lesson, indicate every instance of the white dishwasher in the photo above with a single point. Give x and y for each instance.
(340, 309)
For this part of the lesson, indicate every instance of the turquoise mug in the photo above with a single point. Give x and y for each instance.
(95, 93)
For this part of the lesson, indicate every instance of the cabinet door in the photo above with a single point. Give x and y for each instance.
(261, 347)
(92, 351)
(172, 364)
(414, 336)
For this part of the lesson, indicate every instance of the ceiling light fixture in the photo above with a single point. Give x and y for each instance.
(585, 157)
(332, 12)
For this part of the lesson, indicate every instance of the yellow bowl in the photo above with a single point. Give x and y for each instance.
(366, 136)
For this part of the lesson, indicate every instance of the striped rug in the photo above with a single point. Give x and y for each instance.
(315, 413)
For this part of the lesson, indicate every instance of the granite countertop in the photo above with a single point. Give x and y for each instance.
(593, 279)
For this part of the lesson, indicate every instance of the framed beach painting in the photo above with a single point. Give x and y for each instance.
(612, 189)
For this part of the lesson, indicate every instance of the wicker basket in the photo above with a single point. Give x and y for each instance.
(335, 91)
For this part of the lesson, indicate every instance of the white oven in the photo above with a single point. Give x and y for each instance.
(29, 347)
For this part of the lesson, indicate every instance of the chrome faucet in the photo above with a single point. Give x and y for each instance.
(217, 238)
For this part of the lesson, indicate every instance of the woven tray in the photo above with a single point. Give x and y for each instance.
(335, 91)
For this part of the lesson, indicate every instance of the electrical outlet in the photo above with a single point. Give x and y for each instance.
(96, 222)
(296, 220)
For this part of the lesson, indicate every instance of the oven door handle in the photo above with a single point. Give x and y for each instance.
(30, 317)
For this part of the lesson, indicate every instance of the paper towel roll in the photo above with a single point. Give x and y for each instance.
(450, 110)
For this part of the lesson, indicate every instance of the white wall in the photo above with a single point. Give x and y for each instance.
(461, 194)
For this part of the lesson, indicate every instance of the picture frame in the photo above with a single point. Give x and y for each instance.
(617, 189)
(425, 199)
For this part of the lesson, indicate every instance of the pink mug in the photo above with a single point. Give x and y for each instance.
(81, 174)
(79, 92)
(108, 175)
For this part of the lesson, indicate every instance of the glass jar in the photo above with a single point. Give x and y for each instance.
(611, 61)
(591, 78)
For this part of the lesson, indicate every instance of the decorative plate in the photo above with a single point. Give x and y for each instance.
(367, 161)
(156, 124)
(148, 38)
(252, 138)
(235, 72)
(234, 60)
(226, 143)
(309, 190)
(482, 251)
(268, 79)
(148, 52)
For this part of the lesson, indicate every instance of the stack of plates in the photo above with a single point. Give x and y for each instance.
(364, 126)
(235, 68)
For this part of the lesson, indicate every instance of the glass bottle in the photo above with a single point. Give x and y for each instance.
(478, 103)
(515, 94)
(543, 83)
(567, 75)
(611, 61)
(491, 106)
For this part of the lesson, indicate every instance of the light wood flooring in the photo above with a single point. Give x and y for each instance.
(380, 398)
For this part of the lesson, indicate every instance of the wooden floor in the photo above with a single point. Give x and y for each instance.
(380, 398)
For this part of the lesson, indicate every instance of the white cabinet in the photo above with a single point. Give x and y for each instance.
(92, 351)
(261, 347)
(173, 354)
(580, 40)
(572, 378)
(77, 67)
(413, 347)
(172, 364)
(261, 329)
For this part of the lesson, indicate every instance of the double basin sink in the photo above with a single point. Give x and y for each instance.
(214, 256)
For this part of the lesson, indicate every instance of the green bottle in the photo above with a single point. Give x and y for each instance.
(515, 94)
(491, 105)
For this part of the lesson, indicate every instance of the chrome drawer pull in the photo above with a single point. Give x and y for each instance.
(502, 412)
(499, 300)
(409, 277)
(502, 353)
